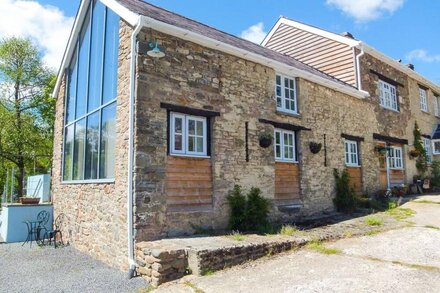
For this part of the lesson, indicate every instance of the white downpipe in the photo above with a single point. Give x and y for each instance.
(387, 156)
(358, 68)
(133, 58)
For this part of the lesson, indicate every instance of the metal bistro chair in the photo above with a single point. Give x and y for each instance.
(35, 228)
(56, 231)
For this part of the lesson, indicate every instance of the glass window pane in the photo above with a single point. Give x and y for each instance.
(178, 123)
(277, 137)
(199, 128)
(83, 68)
(199, 144)
(278, 80)
(191, 127)
(71, 94)
(108, 142)
(178, 142)
(79, 150)
(111, 57)
(92, 146)
(191, 143)
(96, 56)
(68, 153)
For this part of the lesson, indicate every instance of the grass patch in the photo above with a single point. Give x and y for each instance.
(319, 247)
(208, 272)
(432, 227)
(400, 213)
(408, 265)
(348, 234)
(288, 230)
(146, 290)
(426, 201)
(194, 287)
(373, 232)
(237, 236)
(372, 221)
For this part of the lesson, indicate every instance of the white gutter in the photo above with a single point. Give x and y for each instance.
(358, 69)
(227, 48)
(133, 59)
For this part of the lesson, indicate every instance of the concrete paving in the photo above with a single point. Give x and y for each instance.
(401, 260)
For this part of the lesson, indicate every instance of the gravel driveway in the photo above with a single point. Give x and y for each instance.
(25, 269)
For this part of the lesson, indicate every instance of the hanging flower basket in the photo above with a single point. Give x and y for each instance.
(265, 139)
(414, 154)
(315, 147)
(381, 150)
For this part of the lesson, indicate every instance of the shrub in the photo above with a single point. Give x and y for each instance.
(421, 163)
(237, 204)
(257, 210)
(435, 173)
(248, 213)
(345, 200)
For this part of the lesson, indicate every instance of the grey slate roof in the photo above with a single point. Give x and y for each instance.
(142, 8)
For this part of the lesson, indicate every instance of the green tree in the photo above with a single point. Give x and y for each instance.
(27, 115)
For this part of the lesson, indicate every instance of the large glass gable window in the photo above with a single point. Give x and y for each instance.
(90, 116)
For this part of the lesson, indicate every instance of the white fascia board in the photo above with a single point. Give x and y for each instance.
(313, 30)
(232, 50)
(271, 32)
(129, 16)
(399, 66)
(125, 13)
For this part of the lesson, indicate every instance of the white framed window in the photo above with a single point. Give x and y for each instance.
(423, 100)
(436, 147)
(436, 105)
(396, 158)
(188, 135)
(285, 92)
(388, 96)
(427, 145)
(351, 153)
(285, 148)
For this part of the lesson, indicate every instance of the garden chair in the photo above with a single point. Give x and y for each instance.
(56, 231)
(35, 228)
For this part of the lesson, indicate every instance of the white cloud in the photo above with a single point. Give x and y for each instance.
(422, 55)
(46, 25)
(366, 10)
(254, 33)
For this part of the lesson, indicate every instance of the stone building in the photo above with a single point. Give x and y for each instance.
(159, 116)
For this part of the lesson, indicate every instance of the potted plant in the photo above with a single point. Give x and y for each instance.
(29, 200)
(381, 149)
(414, 153)
(265, 139)
(315, 147)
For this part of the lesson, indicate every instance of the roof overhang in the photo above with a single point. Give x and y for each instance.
(133, 19)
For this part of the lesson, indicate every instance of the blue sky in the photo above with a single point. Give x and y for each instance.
(402, 29)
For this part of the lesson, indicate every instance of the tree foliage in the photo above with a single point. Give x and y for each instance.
(422, 161)
(26, 110)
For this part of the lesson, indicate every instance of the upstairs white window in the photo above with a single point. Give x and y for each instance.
(388, 96)
(423, 100)
(351, 153)
(188, 135)
(436, 147)
(436, 105)
(396, 158)
(427, 145)
(286, 94)
(285, 149)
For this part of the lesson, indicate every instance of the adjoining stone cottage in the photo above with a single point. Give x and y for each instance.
(148, 147)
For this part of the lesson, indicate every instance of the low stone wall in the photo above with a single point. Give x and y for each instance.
(204, 261)
(159, 264)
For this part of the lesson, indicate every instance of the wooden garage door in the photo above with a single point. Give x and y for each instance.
(188, 182)
(287, 181)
